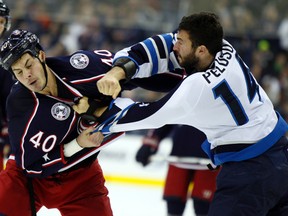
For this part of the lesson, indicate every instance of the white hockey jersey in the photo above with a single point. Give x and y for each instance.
(225, 102)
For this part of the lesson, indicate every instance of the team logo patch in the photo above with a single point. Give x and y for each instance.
(60, 111)
(79, 61)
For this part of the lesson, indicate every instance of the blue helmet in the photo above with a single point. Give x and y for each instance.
(18, 43)
(4, 12)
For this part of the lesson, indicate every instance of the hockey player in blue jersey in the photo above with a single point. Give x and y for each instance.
(54, 155)
(221, 98)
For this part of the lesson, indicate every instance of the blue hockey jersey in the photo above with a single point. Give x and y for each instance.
(40, 124)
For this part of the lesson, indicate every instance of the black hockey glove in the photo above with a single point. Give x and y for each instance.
(149, 147)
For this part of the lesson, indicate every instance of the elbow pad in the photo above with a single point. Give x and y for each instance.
(127, 65)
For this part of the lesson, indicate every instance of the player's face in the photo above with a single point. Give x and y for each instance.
(2, 24)
(29, 71)
(186, 54)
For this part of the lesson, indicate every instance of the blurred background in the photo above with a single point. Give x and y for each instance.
(257, 29)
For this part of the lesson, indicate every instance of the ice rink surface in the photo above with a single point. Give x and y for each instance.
(134, 190)
(132, 201)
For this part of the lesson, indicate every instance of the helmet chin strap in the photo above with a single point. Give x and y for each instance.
(45, 72)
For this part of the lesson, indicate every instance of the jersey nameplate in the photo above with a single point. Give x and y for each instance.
(222, 60)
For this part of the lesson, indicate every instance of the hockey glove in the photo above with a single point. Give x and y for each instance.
(149, 147)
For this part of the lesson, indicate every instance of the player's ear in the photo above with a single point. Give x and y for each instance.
(42, 55)
(202, 52)
(202, 49)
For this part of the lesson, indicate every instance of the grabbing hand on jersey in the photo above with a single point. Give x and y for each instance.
(86, 139)
(83, 105)
(109, 84)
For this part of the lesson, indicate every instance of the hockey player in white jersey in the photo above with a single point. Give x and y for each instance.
(220, 97)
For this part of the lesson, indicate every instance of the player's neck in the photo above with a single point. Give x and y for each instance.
(51, 86)
(205, 63)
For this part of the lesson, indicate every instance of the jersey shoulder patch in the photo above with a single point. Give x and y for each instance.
(79, 60)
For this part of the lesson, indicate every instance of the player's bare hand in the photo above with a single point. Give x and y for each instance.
(87, 139)
(82, 105)
(109, 84)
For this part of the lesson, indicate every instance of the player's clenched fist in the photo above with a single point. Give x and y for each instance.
(109, 84)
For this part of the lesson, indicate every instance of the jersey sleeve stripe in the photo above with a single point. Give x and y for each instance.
(168, 38)
(163, 53)
(24, 156)
(168, 41)
(138, 54)
(153, 54)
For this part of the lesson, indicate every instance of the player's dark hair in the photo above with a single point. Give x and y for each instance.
(204, 28)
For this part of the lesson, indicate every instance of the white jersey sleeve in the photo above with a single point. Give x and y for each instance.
(152, 56)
